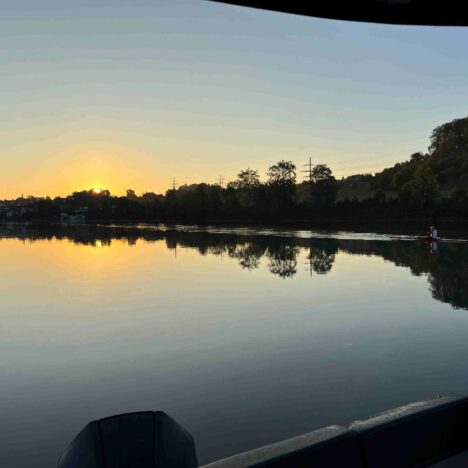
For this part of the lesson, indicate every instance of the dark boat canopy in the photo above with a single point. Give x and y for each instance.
(410, 12)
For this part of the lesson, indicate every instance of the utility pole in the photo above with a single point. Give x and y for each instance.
(308, 170)
(221, 180)
(308, 176)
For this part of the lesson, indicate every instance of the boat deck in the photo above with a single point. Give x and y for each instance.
(460, 460)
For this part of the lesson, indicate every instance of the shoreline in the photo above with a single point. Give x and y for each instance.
(390, 226)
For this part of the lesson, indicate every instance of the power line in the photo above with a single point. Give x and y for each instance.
(219, 180)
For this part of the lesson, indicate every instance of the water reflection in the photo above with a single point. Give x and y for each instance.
(446, 267)
(321, 259)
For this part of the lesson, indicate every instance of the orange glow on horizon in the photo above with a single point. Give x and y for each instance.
(116, 168)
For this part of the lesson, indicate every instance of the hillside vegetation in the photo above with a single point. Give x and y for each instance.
(445, 165)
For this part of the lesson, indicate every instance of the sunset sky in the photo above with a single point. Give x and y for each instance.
(119, 94)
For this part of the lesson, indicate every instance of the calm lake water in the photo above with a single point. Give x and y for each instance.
(244, 336)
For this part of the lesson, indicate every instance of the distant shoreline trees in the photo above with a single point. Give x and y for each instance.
(432, 184)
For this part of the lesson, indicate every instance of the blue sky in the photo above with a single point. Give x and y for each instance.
(130, 94)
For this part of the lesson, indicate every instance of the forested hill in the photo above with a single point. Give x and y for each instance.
(445, 164)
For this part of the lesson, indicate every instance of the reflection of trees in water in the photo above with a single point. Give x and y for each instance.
(448, 276)
(446, 269)
(320, 260)
(454, 292)
(281, 254)
(248, 254)
(282, 260)
(97, 236)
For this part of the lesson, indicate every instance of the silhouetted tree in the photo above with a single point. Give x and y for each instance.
(131, 195)
(282, 173)
(281, 187)
(246, 186)
(324, 186)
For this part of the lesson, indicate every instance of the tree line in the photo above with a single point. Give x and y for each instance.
(427, 184)
(245, 198)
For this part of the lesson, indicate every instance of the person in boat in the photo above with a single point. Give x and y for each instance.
(433, 233)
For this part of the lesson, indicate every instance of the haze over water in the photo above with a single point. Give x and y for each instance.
(244, 336)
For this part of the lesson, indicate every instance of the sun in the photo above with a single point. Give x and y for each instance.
(96, 190)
